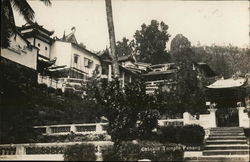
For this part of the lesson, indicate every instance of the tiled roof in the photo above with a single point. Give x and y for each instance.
(228, 83)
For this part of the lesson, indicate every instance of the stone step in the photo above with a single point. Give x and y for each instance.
(226, 134)
(226, 128)
(225, 152)
(226, 141)
(226, 137)
(233, 158)
(227, 147)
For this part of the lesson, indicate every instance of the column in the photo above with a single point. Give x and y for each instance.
(123, 79)
(240, 111)
(212, 121)
(73, 128)
(98, 128)
(20, 150)
(110, 73)
(186, 118)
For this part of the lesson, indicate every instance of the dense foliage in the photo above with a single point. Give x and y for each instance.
(134, 151)
(70, 138)
(80, 152)
(186, 135)
(189, 93)
(130, 111)
(150, 42)
(24, 104)
(225, 60)
(8, 27)
(124, 47)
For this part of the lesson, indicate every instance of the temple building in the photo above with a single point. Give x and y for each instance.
(161, 75)
(129, 70)
(227, 95)
(41, 39)
(77, 61)
(21, 52)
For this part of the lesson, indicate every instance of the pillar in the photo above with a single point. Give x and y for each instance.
(110, 73)
(186, 118)
(123, 79)
(212, 121)
(20, 150)
(98, 128)
(73, 128)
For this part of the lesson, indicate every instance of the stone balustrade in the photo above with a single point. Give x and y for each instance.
(49, 82)
(89, 128)
(175, 122)
(39, 151)
(205, 120)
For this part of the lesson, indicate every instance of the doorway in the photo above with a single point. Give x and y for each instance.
(227, 117)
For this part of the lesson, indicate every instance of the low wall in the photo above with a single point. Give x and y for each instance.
(90, 128)
(43, 151)
(244, 120)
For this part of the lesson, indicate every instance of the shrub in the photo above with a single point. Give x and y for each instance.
(187, 135)
(168, 134)
(109, 153)
(191, 135)
(155, 151)
(80, 152)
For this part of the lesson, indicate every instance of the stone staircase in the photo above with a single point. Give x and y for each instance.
(225, 144)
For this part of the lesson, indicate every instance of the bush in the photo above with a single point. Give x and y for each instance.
(187, 135)
(191, 135)
(109, 153)
(80, 152)
(129, 151)
(168, 134)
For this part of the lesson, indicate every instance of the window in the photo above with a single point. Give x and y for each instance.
(38, 44)
(86, 62)
(97, 69)
(76, 58)
(46, 48)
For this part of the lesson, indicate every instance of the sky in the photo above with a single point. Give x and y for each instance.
(206, 22)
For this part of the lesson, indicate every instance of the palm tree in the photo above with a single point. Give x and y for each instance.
(112, 38)
(8, 27)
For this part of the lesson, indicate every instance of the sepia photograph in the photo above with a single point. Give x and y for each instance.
(125, 80)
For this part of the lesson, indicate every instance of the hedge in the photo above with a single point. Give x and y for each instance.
(187, 135)
(80, 152)
(155, 151)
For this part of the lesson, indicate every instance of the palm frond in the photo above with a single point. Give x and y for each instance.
(23, 7)
(46, 2)
(11, 20)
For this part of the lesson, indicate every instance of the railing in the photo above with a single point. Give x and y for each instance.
(41, 151)
(90, 128)
(49, 82)
(64, 84)
(174, 122)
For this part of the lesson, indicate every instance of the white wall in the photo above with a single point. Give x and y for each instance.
(19, 54)
(80, 64)
(61, 50)
(42, 50)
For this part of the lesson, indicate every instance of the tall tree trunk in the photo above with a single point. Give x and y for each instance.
(112, 38)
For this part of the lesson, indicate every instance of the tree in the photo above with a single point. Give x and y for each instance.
(123, 108)
(124, 47)
(188, 90)
(151, 41)
(111, 30)
(8, 27)
(224, 60)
